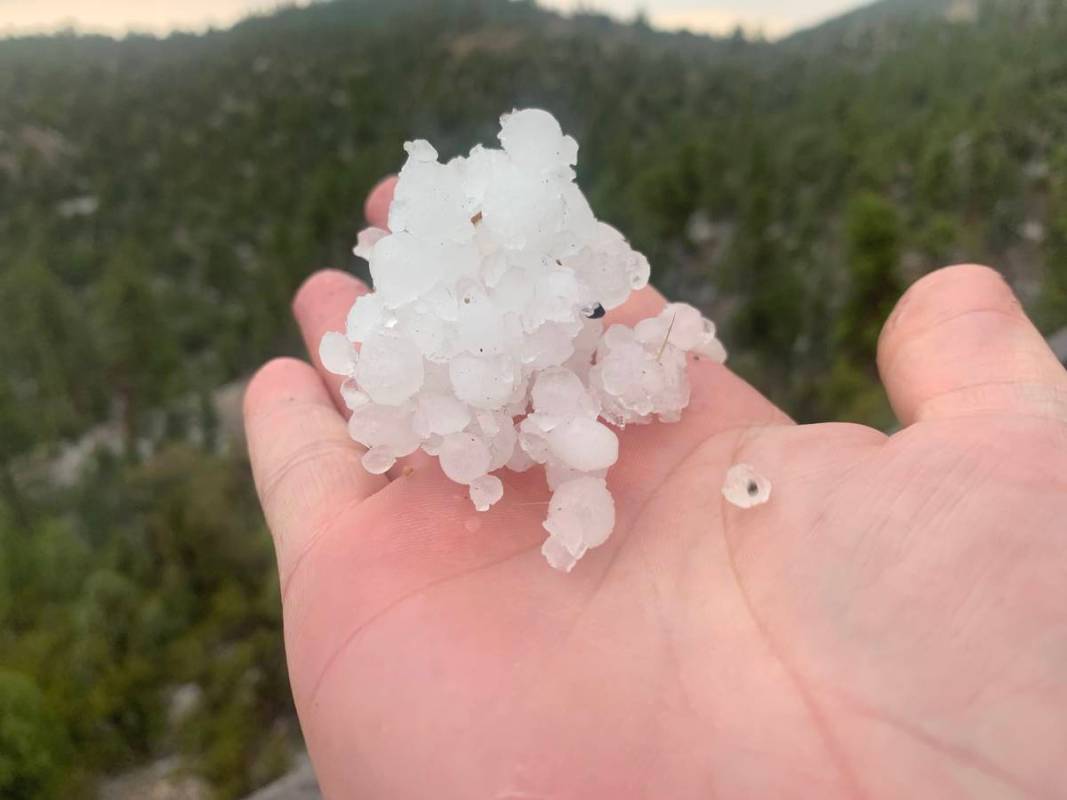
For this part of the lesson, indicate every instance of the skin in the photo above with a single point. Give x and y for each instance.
(893, 623)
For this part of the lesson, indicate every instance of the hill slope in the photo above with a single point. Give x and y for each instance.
(237, 159)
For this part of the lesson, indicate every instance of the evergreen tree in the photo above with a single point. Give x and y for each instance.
(48, 383)
(768, 324)
(138, 352)
(873, 244)
(1054, 303)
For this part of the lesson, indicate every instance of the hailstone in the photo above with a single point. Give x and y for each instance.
(745, 488)
(483, 343)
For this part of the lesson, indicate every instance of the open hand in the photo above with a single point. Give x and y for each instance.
(892, 624)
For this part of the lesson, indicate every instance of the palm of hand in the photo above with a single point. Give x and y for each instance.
(891, 624)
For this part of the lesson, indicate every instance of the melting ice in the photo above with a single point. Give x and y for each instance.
(482, 342)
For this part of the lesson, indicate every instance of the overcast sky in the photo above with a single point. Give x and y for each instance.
(774, 17)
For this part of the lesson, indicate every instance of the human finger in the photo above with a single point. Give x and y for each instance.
(959, 344)
(304, 463)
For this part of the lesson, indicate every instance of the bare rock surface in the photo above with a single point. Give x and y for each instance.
(297, 784)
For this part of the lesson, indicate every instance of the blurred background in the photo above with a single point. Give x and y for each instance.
(788, 166)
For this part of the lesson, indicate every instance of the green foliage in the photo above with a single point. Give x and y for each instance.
(762, 270)
(31, 743)
(219, 170)
(938, 240)
(180, 589)
(139, 356)
(873, 241)
(873, 236)
(5, 572)
(43, 349)
(1054, 305)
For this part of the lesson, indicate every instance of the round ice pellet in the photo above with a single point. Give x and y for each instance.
(464, 457)
(486, 491)
(746, 488)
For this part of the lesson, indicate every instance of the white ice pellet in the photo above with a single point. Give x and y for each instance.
(533, 139)
(558, 556)
(378, 460)
(390, 368)
(373, 424)
(337, 354)
(352, 396)
(560, 393)
(365, 241)
(464, 457)
(364, 318)
(420, 151)
(439, 414)
(745, 488)
(482, 382)
(407, 266)
(486, 491)
(581, 515)
(584, 444)
(482, 343)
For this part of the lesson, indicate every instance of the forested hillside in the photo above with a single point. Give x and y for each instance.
(160, 200)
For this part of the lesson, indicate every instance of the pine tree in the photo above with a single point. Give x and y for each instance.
(137, 349)
(48, 387)
(873, 245)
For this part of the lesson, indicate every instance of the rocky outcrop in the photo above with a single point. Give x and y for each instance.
(297, 784)
(1059, 345)
(160, 780)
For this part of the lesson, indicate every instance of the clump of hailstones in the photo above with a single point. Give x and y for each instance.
(482, 343)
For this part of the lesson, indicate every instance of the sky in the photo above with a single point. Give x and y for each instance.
(773, 17)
